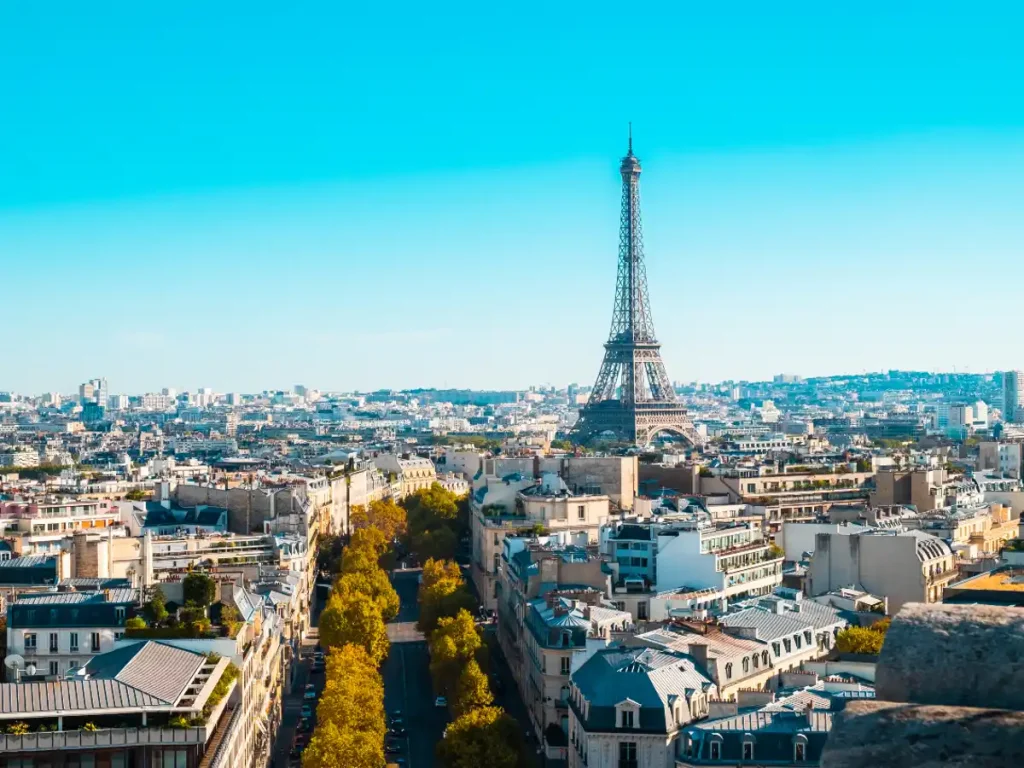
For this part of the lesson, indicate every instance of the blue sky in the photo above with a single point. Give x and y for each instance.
(251, 195)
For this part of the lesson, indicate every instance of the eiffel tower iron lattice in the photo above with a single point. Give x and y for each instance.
(633, 397)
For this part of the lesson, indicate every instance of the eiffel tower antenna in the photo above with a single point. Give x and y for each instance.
(633, 397)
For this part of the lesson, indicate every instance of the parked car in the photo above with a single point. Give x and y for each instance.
(441, 701)
(307, 711)
(310, 693)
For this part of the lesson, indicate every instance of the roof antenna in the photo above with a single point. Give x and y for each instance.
(631, 137)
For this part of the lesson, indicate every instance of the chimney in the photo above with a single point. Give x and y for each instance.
(699, 652)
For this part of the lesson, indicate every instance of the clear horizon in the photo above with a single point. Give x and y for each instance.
(254, 196)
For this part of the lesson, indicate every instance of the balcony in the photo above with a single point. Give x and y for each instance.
(109, 738)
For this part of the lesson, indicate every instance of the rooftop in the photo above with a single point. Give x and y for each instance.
(1009, 579)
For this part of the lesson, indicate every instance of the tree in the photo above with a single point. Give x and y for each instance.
(437, 543)
(453, 644)
(382, 514)
(353, 697)
(156, 608)
(865, 640)
(331, 747)
(135, 622)
(433, 503)
(481, 737)
(373, 584)
(136, 494)
(199, 589)
(364, 551)
(472, 691)
(355, 620)
(444, 598)
(435, 570)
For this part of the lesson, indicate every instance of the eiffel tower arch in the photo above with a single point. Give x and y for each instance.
(633, 396)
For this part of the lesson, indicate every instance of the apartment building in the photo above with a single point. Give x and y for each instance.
(39, 524)
(904, 567)
(793, 494)
(1005, 458)
(514, 504)
(58, 631)
(972, 532)
(414, 473)
(560, 630)
(117, 711)
(730, 557)
(627, 707)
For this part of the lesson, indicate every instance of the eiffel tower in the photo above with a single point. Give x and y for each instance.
(633, 397)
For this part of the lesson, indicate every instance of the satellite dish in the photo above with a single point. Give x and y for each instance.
(14, 661)
(30, 670)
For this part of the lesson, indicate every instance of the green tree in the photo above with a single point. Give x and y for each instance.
(437, 543)
(199, 589)
(481, 737)
(472, 690)
(135, 622)
(136, 494)
(332, 747)
(156, 608)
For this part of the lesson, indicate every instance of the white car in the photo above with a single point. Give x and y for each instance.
(440, 701)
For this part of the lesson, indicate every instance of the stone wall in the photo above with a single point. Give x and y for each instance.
(950, 686)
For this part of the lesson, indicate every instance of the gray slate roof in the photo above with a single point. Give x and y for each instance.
(149, 674)
(647, 676)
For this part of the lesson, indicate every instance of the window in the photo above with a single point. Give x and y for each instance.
(53, 642)
(799, 752)
(627, 755)
(95, 642)
(807, 637)
(798, 641)
(54, 668)
(119, 614)
(776, 649)
(757, 660)
(118, 635)
(748, 750)
(787, 644)
(746, 665)
(764, 658)
(30, 641)
(565, 662)
(581, 512)
(728, 671)
(74, 642)
(627, 718)
(716, 750)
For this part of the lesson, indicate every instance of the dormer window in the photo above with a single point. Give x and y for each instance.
(728, 671)
(746, 665)
(748, 750)
(787, 645)
(799, 748)
(627, 714)
(716, 749)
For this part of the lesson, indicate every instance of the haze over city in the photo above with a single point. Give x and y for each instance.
(245, 196)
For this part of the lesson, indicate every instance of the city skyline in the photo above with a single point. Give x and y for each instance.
(815, 185)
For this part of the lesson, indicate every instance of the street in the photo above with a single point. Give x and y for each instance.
(407, 683)
(293, 701)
